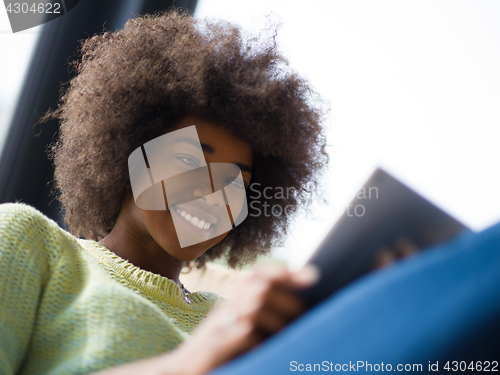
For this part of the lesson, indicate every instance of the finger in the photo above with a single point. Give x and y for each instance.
(269, 273)
(273, 288)
(304, 278)
(307, 276)
(267, 322)
(242, 331)
(227, 326)
(284, 302)
(224, 343)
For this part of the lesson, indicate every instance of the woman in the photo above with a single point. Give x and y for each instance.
(76, 306)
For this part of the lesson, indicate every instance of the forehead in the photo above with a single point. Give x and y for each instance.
(222, 143)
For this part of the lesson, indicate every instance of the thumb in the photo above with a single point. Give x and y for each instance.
(306, 277)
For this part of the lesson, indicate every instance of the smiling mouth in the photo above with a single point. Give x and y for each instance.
(194, 220)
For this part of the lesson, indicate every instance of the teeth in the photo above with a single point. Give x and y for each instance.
(202, 224)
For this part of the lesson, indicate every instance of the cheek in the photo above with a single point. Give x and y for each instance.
(214, 241)
(161, 227)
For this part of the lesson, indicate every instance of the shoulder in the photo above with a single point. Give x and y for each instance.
(23, 228)
(18, 221)
(20, 214)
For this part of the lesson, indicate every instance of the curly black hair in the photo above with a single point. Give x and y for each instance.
(135, 84)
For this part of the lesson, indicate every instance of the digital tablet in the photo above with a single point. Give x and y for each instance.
(383, 212)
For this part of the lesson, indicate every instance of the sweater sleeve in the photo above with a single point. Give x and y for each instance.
(24, 270)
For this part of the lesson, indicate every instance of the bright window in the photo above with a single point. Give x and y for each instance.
(16, 50)
(414, 87)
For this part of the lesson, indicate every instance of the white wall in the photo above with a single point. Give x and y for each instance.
(15, 52)
(414, 86)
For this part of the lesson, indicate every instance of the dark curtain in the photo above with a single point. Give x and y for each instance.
(25, 171)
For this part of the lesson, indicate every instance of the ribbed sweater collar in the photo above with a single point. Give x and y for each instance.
(153, 286)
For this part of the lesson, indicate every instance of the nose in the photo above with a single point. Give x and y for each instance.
(212, 199)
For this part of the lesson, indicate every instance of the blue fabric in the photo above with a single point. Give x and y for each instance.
(442, 305)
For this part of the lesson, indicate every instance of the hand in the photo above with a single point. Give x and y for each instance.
(262, 306)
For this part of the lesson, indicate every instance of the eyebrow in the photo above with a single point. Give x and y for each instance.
(210, 150)
(194, 142)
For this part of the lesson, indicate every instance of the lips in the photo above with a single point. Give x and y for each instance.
(200, 220)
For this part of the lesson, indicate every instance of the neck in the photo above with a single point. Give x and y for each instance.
(142, 251)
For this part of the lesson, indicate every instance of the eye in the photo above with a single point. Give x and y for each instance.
(192, 162)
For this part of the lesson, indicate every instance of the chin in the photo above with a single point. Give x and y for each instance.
(190, 253)
(193, 252)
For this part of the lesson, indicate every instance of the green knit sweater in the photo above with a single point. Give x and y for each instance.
(71, 306)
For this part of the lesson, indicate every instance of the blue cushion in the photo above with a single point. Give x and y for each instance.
(441, 305)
